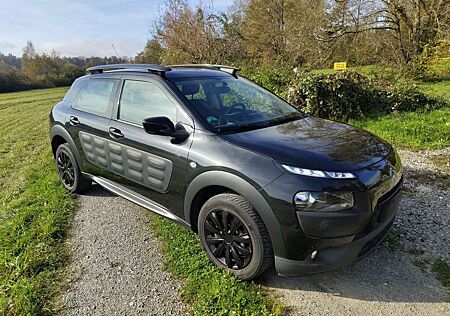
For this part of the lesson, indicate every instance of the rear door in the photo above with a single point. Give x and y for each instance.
(88, 122)
(151, 165)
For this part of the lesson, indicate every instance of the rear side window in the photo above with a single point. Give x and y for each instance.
(97, 96)
(141, 100)
(74, 89)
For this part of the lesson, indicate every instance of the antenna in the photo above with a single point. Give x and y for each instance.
(117, 54)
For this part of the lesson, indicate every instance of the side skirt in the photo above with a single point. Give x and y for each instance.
(137, 199)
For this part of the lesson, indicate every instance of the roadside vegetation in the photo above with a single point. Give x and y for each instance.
(35, 210)
(209, 290)
(442, 270)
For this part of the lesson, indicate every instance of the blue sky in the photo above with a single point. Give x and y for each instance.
(81, 28)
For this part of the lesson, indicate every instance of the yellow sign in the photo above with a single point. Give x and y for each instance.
(340, 66)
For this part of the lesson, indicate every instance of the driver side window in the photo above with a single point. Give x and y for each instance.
(141, 100)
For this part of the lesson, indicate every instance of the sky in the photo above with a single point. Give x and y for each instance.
(83, 27)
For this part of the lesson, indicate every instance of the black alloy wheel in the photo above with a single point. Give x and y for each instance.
(69, 171)
(228, 239)
(66, 169)
(234, 236)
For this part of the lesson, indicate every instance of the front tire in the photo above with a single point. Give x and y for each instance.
(69, 171)
(234, 236)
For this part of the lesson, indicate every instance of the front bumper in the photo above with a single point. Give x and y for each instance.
(335, 253)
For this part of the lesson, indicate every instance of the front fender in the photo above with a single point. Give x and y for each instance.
(244, 188)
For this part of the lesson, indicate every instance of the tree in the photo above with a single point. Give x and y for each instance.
(409, 25)
(273, 30)
(188, 34)
(153, 53)
(29, 53)
(264, 28)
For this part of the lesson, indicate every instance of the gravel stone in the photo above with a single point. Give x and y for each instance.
(116, 261)
(387, 282)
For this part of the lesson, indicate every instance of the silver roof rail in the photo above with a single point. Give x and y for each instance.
(155, 68)
(229, 69)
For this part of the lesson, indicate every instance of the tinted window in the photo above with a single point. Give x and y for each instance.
(96, 96)
(141, 100)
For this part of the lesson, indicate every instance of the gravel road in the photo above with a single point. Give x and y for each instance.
(388, 281)
(116, 263)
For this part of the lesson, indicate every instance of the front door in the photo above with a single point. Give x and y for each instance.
(151, 165)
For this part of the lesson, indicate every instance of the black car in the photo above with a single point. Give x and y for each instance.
(256, 178)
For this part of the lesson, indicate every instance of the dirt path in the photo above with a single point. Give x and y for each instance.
(116, 262)
(388, 281)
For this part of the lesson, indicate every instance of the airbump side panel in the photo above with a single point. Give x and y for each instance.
(95, 149)
(139, 166)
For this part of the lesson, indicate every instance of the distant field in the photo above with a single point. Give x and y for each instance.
(34, 209)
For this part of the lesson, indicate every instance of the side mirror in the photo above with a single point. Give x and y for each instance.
(161, 125)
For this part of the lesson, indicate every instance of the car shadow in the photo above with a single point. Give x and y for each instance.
(97, 190)
(383, 275)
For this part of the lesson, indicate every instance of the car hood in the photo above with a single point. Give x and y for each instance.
(314, 143)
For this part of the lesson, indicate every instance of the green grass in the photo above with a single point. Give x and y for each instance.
(209, 290)
(34, 209)
(442, 270)
(439, 88)
(414, 130)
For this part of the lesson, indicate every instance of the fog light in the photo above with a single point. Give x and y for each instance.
(313, 254)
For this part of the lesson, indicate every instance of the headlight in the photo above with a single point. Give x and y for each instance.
(319, 173)
(323, 201)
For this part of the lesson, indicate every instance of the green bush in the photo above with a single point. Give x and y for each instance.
(405, 96)
(273, 79)
(12, 80)
(345, 95)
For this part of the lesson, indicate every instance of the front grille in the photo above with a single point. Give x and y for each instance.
(375, 241)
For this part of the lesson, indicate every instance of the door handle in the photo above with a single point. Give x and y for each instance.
(115, 132)
(74, 120)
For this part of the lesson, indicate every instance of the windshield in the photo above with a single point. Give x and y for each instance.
(227, 103)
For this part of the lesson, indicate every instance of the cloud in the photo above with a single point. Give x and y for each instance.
(84, 46)
(6, 46)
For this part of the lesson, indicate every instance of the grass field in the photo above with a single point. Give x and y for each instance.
(413, 130)
(34, 209)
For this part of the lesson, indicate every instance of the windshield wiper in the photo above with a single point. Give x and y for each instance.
(255, 125)
(288, 118)
(240, 127)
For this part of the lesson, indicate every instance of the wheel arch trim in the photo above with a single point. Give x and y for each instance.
(244, 188)
(59, 130)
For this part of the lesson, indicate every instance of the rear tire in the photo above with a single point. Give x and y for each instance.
(69, 171)
(234, 236)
